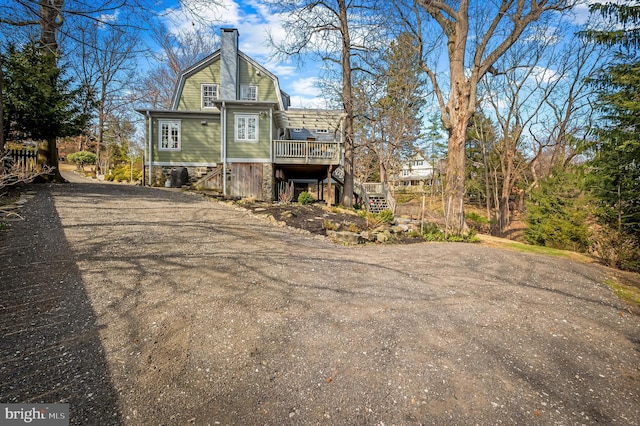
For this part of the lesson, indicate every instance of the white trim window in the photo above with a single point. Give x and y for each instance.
(209, 93)
(248, 93)
(322, 131)
(246, 127)
(170, 135)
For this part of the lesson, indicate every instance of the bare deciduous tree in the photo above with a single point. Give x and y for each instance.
(104, 65)
(540, 101)
(476, 36)
(51, 17)
(336, 32)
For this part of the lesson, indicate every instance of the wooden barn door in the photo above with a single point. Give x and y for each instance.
(246, 180)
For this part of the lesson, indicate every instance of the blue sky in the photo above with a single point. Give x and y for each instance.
(254, 22)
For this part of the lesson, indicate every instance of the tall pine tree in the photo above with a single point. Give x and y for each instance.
(39, 103)
(615, 167)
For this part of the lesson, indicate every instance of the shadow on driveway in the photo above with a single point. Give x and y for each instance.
(50, 350)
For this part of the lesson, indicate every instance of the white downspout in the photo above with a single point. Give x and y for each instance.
(223, 142)
(271, 134)
(150, 130)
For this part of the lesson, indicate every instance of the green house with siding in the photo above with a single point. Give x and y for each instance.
(230, 129)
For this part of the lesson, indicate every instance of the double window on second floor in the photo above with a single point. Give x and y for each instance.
(210, 94)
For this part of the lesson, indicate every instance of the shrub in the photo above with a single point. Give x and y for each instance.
(385, 216)
(478, 222)
(285, 192)
(123, 173)
(431, 232)
(329, 225)
(477, 218)
(82, 157)
(615, 248)
(373, 221)
(352, 227)
(305, 198)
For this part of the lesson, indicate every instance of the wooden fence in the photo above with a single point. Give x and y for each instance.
(24, 159)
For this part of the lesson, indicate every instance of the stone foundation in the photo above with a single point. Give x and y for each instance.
(268, 182)
(161, 174)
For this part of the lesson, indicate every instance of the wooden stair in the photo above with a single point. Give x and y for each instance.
(211, 180)
(374, 196)
(377, 203)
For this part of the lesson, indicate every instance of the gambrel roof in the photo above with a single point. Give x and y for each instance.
(283, 98)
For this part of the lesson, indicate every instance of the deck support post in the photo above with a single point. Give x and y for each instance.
(329, 192)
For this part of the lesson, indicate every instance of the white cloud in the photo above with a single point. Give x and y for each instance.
(544, 75)
(111, 17)
(306, 86)
(253, 20)
(280, 69)
(308, 102)
(580, 13)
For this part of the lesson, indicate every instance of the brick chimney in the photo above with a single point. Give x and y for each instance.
(229, 64)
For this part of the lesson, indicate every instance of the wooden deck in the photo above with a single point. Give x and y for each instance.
(306, 152)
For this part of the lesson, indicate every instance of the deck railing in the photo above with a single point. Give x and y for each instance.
(373, 188)
(307, 151)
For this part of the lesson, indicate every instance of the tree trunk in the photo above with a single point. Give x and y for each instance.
(347, 99)
(459, 111)
(487, 183)
(50, 21)
(383, 173)
(48, 156)
(2, 141)
(454, 187)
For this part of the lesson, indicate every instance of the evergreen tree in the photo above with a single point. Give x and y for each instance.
(38, 102)
(557, 213)
(400, 108)
(388, 104)
(615, 168)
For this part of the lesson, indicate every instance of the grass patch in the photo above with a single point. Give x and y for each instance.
(526, 248)
(531, 249)
(627, 293)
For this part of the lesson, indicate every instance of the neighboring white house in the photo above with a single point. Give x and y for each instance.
(415, 170)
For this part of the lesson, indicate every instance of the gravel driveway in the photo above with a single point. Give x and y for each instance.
(143, 306)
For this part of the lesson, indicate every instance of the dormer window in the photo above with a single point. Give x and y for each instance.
(209, 94)
(248, 93)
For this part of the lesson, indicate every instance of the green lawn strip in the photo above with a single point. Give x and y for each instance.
(627, 293)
